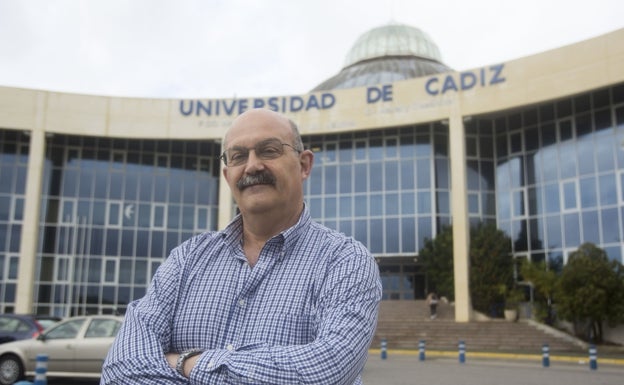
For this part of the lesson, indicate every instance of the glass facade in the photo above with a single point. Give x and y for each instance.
(13, 172)
(550, 175)
(112, 211)
(388, 189)
(560, 175)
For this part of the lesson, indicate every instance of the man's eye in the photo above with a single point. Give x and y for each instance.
(237, 155)
(270, 151)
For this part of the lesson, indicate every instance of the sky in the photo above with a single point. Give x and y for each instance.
(187, 49)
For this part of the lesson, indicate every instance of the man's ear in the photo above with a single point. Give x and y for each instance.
(306, 159)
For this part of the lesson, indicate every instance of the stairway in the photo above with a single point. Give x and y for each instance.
(404, 323)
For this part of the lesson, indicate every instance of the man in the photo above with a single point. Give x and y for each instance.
(274, 298)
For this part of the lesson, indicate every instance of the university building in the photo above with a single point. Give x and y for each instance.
(95, 191)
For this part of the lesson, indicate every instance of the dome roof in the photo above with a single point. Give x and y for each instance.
(393, 40)
(387, 54)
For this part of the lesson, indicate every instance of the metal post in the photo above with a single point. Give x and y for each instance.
(545, 355)
(41, 369)
(421, 350)
(593, 357)
(462, 352)
(384, 347)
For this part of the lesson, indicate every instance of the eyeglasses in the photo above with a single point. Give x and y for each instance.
(266, 149)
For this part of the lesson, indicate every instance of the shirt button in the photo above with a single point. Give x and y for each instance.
(210, 363)
(230, 347)
(241, 302)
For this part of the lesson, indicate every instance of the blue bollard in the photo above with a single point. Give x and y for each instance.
(545, 356)
(421, 350)
(384, 347)
(41, 369)
(462, 352)
(593, 357)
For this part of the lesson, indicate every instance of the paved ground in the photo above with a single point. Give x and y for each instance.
(401, 369)
(443, 368)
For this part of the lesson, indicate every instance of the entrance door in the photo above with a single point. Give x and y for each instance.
(402, 279)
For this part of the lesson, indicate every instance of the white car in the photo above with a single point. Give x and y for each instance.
(76, 347)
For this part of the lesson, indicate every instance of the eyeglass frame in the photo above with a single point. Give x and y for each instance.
(255, 147)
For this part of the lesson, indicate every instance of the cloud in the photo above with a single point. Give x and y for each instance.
(219, 48)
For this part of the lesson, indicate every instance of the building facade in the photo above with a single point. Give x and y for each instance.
(95, 191)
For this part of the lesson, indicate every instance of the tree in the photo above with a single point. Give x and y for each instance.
(490, 266)
(590, 291)
(543, 278)
(437, 257)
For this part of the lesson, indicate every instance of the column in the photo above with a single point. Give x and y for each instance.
(30, 227)
(461, 226)
(225, 202)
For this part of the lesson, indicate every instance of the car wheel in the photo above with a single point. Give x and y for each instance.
(11, 369)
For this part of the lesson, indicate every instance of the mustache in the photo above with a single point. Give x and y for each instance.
(264, 177)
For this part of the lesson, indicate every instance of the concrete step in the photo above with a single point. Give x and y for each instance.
(403, 324)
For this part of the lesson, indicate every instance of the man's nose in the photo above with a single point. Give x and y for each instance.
(254, 162)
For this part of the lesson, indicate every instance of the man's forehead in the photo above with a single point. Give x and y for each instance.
(251, 127)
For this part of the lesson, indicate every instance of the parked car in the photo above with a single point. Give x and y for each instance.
(15, 327)
(76, 347)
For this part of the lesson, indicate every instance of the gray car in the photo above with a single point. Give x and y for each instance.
(76, 347)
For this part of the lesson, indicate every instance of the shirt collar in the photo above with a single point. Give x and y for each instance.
(233, 232)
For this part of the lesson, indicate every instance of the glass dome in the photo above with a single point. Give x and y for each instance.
(393, 40)
(387, 54)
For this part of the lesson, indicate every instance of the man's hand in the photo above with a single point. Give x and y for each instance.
(172, 359)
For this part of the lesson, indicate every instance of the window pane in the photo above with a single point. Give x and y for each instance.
(610, 226)
(392, 235)
(572, 230)
(591, 227)
(392, 204)
(407, 175)
(608, 190)
(553, 231)
(408, 235)
(551, 196)
(407, 203)
(588, 192)
(345, 207)
(376, 236)
(569, 195)
(376, 177)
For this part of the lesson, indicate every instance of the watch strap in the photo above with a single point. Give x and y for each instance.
(183, 357)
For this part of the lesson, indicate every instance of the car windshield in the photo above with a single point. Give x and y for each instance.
(103, 328)
(67, 329)
(46, 323)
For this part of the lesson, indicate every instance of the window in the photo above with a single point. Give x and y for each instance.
(68, 211)
(110, 270)
(568, 190)
(391, 147)
(361, 153)
(99, 328)
(158, 216)
(65, 330)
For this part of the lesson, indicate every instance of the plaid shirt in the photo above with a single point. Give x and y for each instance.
(305, 314)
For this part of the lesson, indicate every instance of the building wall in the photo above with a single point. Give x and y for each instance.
(90, 181)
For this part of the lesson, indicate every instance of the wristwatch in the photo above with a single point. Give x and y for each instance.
(185, 356)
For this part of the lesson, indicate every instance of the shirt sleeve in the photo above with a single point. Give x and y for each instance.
(348, 316)
(137, 355)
